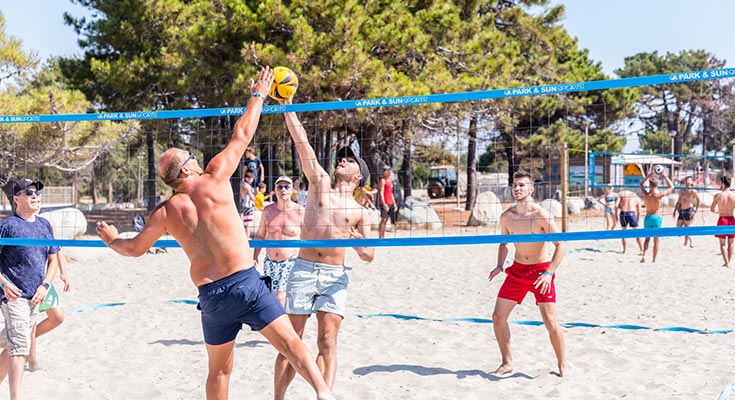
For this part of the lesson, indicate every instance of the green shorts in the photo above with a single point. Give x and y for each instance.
(51, 300)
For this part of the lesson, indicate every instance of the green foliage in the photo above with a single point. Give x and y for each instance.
(687, 109)
(655, 142)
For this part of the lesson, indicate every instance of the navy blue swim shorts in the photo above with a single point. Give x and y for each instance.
(241, 298)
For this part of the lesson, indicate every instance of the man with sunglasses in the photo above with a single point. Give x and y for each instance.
(25, 279)
(204, 219)
(280, 221)
(318, 282)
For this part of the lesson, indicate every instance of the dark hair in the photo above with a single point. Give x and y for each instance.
(726, 180)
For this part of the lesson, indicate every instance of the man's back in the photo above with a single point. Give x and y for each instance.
(652, 201)
(629, 201)
(725, 201)
(205, 222)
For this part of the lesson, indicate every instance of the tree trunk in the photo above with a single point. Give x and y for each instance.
(471, 164)
(369, 151)
(510, 156)
(296, 163)
(93, 189)
(406, 165)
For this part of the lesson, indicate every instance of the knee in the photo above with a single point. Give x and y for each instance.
(327, 343)
(499, 317)
(57, 319)
(220, 371)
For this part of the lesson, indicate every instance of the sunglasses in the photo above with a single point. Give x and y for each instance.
(192, 156)
(31, 192)
(279, 187)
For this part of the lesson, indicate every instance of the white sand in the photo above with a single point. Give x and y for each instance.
(151, 348)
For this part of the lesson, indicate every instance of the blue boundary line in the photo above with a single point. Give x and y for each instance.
(553, 89)
(421, 241)
(471, 319)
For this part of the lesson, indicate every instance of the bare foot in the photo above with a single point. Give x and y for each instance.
(504, 369)
(643, 259)
(33, 365)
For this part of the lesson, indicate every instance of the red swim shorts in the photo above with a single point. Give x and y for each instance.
(520, 279)
(725, 221)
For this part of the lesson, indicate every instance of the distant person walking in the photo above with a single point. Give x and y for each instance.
(629, 207)
(686, 206)
(724, 204)
(610, 201)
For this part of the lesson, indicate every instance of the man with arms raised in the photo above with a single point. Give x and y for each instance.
(318, 281)
(531, 271)
(652, 199)
(687, 205)
(280, 221)
(724, 203)
(203, 218)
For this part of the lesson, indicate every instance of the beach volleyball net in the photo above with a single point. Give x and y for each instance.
(103, 165)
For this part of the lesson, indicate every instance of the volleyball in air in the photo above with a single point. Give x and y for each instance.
(284, 83)
(658, 169)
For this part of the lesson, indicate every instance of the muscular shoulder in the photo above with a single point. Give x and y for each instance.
(540, 212)
(508, 213)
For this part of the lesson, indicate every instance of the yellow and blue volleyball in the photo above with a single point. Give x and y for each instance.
(284, 83)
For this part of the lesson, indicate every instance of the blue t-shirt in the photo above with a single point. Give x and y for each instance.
(25, 266)
(254, 167)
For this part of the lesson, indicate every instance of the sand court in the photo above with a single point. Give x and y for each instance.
(150, 347)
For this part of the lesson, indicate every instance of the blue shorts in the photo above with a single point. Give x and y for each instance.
(241, 298)
(628, 218)
(652, 221)
(686, 214)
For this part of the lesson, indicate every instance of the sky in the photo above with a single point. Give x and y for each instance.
(610, 29)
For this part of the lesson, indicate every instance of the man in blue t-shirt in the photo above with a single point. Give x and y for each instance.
(254, 165)
(24, 279)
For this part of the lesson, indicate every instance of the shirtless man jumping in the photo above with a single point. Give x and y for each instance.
(318, 282)
(652, 199)
(531, 271)
(687, 205)
(724, 203)
(203, 218)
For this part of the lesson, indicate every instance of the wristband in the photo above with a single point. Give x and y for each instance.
(2, 285)
(46, 285)
(546, 273)
(256, 94)
(110, 242)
